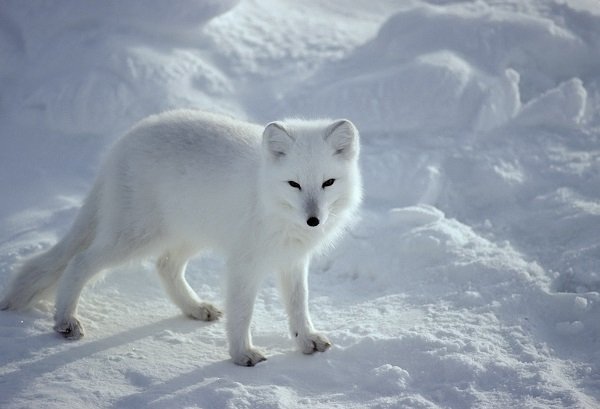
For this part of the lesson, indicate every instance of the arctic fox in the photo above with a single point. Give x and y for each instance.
(184, 181)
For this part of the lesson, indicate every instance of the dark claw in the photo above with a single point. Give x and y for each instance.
(249, 362)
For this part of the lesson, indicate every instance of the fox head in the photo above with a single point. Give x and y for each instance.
(310, 171)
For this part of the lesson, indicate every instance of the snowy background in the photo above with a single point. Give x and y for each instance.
(473, 278)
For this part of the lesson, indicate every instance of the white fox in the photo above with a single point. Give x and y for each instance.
(184, 181)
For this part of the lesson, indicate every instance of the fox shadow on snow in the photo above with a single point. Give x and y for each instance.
(152, 394)
(18, 380)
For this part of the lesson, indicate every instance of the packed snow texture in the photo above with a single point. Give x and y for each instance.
(471, 280)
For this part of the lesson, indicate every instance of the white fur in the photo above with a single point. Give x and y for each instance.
(185, 181)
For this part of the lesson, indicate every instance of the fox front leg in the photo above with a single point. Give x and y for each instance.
(294, 293)
(242, 286)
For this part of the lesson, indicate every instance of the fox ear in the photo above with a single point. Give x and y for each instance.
(276, 140)
(343, 137)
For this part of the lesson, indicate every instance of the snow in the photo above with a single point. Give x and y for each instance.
(471, 280)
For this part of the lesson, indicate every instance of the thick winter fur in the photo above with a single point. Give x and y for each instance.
(184, 181)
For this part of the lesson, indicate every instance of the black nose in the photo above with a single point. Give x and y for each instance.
(312, 221)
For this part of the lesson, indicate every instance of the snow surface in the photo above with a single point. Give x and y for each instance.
(472, 279)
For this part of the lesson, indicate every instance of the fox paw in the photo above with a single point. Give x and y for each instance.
(249, 357)
(313, 342)
(206, 312)
(69, 328)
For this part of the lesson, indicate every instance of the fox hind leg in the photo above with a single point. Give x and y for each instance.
(80, 269)
(171, 270)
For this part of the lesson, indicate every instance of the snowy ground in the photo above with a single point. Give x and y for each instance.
(473, 277)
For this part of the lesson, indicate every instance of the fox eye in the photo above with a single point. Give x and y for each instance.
(328, 182)
(294, 184)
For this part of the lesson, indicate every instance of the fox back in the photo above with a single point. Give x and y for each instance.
(207, 180)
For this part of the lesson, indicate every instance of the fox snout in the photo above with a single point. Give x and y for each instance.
(314, 212)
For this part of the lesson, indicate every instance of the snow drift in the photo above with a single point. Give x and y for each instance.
(463, 68)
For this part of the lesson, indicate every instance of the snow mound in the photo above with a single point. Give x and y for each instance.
(426, 247)
(403, 97)
(110, 70)
(438, 68)
(563, 106)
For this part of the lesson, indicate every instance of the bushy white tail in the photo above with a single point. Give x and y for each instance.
(38, 276)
